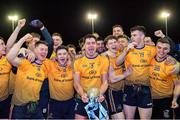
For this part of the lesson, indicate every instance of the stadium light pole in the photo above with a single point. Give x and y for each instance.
(165, 15)
(92, 17)
(13, 19)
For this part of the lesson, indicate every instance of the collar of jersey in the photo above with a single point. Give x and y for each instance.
(92, 57)
(140, 48)
(161, 60)
(35, 62)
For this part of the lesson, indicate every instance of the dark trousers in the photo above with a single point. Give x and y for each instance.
(5, 108)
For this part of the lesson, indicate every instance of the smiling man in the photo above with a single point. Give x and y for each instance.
(29, 79)
(165, 85)
(90, 72)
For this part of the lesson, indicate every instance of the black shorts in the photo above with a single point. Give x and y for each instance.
(62, 109)
(162, 108)
(137, 95)
(79, 107)
(114, 100)
(5, 108)
(177, 110)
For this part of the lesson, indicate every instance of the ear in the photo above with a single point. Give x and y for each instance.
(107, 46)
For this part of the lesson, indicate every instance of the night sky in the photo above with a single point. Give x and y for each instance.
(68, 17)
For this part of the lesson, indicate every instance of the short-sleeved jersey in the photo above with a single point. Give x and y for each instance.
(91, 71)
(161, 79)
(60, 81)
(29, 79)
(5, 68)
(118, 69)
(140, 60)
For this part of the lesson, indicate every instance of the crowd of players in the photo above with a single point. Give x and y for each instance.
(136, 77)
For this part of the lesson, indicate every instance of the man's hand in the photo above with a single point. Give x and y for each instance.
(174, 104)
(31, 56)
(36, 23)
(101, 98)
(21, 23)
(159, 33)
(85, 98)
(131, 46)
(28, 37)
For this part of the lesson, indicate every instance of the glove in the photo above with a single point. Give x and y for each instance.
(36, 23)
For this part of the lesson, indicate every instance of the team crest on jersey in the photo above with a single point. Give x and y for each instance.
(92, 72)
(91, 65)
(38, 74)
(157, 67)
(141, 54)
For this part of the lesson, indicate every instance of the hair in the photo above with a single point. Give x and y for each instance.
(109, 37)
(35, 35)
(163, 40)
(139, 28)
(123, 36)
(117, 25)
(71, 46)
(100, 38)
(57, 34)
(80, 42)
(88, 36)
(61, 47)
(41, 42)
(1, 38)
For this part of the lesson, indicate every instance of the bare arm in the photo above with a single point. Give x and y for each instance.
(12, 55)
(122, 57)
(79, 88)
(104, 85)
(14, 35)
(176, 93)
(115, 78)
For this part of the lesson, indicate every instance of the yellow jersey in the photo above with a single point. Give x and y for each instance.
(60, 81)
(29, 79)
(140, 60)
(5, 69)
(161, 79)
(91, 71)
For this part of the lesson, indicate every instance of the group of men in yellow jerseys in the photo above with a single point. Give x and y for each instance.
(128, 75)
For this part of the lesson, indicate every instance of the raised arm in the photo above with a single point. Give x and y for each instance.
(14, 35)
(38, 24)
(122, 56)
(13, 52)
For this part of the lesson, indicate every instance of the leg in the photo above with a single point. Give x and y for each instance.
(145, 113)
(130, 102)
(80, 112)
(118, 116)
(80, 117)
(129, 111)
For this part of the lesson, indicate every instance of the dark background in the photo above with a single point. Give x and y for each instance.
(69, 17)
